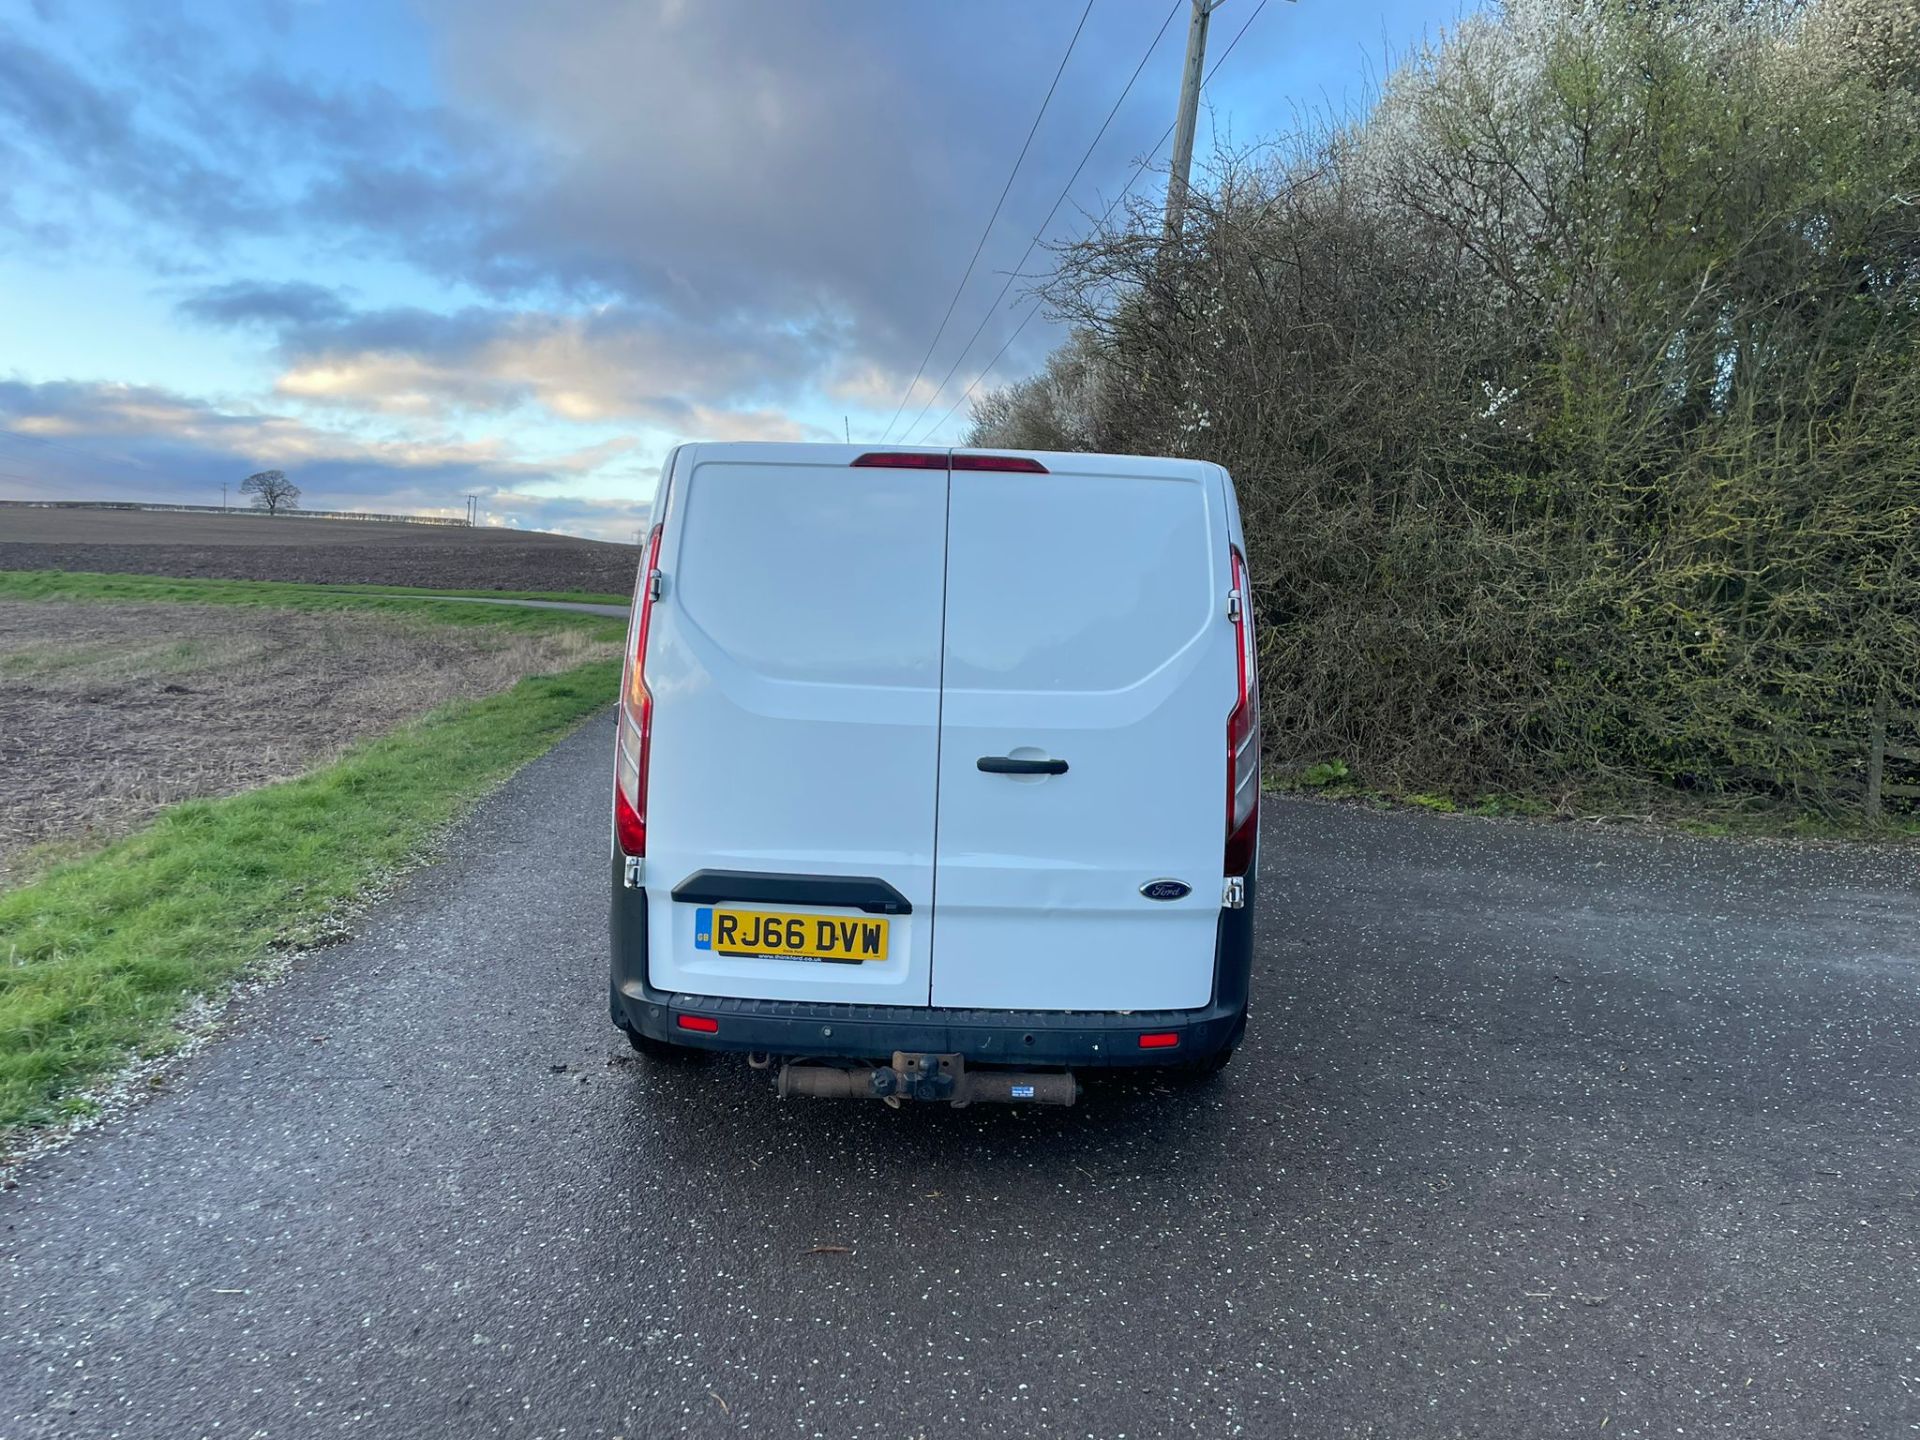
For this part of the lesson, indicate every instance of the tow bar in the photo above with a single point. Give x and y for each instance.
(927, 1077)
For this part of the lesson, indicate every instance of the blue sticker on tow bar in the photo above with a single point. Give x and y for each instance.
(703, 928)
(1023, 1092)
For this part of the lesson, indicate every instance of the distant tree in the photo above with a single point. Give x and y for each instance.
(272, 491)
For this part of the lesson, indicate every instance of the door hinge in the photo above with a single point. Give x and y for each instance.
(656, 584)
(1233, 604)
(631, 878)
(1233, 895)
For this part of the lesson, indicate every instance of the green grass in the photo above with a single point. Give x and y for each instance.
(99, 956)
(1327, 772)
(421, 604)
(584, 597)
(1530, 807)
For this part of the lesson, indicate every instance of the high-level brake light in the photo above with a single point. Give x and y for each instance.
(903, 460)
(940, 460)
(1020, 464)
(1243, 731)
(635, 727)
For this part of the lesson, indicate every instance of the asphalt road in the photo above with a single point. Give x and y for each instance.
(1540, 1131)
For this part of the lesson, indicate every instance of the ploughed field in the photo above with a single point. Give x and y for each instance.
(109, 712)
(330, 552)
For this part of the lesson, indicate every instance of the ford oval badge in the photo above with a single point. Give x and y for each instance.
(1166, 890)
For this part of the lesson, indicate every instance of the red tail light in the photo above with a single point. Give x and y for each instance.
(698, 1023)
(1243, 732)
(636, 722)
(1160, 1040)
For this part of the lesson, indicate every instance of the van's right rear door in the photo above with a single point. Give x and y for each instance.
(1087, 628)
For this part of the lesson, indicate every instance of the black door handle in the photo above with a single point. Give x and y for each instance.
(1007, 765)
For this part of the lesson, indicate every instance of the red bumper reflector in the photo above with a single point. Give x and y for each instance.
(698, 1022)
(1160, 1040)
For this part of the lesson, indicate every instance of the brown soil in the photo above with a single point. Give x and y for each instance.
(333, 552)
(110, 712)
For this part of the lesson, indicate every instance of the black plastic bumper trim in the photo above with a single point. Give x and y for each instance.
(862, 892)
(1046, 1037)
(994, 1037)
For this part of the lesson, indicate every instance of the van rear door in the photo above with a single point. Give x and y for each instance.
(1086, 633)
(794, 662)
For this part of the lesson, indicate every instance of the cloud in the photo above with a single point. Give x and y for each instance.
(794, 161)
(811, 169)
(611, 363)
(241, 302)
(90, 150)
(168, 136)
(717, 220)
(99, 441)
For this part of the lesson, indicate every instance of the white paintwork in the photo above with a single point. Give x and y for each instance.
(795, 669)
(803, 724)
(1086, 621)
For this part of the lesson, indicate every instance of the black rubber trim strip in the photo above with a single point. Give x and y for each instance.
(855, 892)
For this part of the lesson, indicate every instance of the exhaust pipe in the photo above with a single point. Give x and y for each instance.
(928, 1077)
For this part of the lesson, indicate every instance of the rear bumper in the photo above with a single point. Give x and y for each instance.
(874, 1032)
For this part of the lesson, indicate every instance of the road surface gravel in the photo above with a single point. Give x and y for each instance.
(1540, 1130)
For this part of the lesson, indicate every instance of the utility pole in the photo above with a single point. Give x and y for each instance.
(473, 514)
(1188, 117)
(223, 494)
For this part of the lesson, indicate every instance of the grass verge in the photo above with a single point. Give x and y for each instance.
(100, 956)
(584, 597)
(1747, 817)
(87, 585)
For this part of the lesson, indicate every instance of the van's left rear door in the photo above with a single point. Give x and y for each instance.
(794, 662)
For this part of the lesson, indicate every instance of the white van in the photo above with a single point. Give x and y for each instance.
(940, 767)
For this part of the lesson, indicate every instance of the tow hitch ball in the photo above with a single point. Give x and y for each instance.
(927, 1077)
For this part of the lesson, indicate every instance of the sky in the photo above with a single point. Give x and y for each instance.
(408, 252)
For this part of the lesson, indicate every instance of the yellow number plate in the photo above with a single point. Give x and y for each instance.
(780, 935)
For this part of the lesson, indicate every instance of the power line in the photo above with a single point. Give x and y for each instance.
(1226, 52)
(988, 370)
(1059, 200)
(1032, 130)
(1139, 169)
